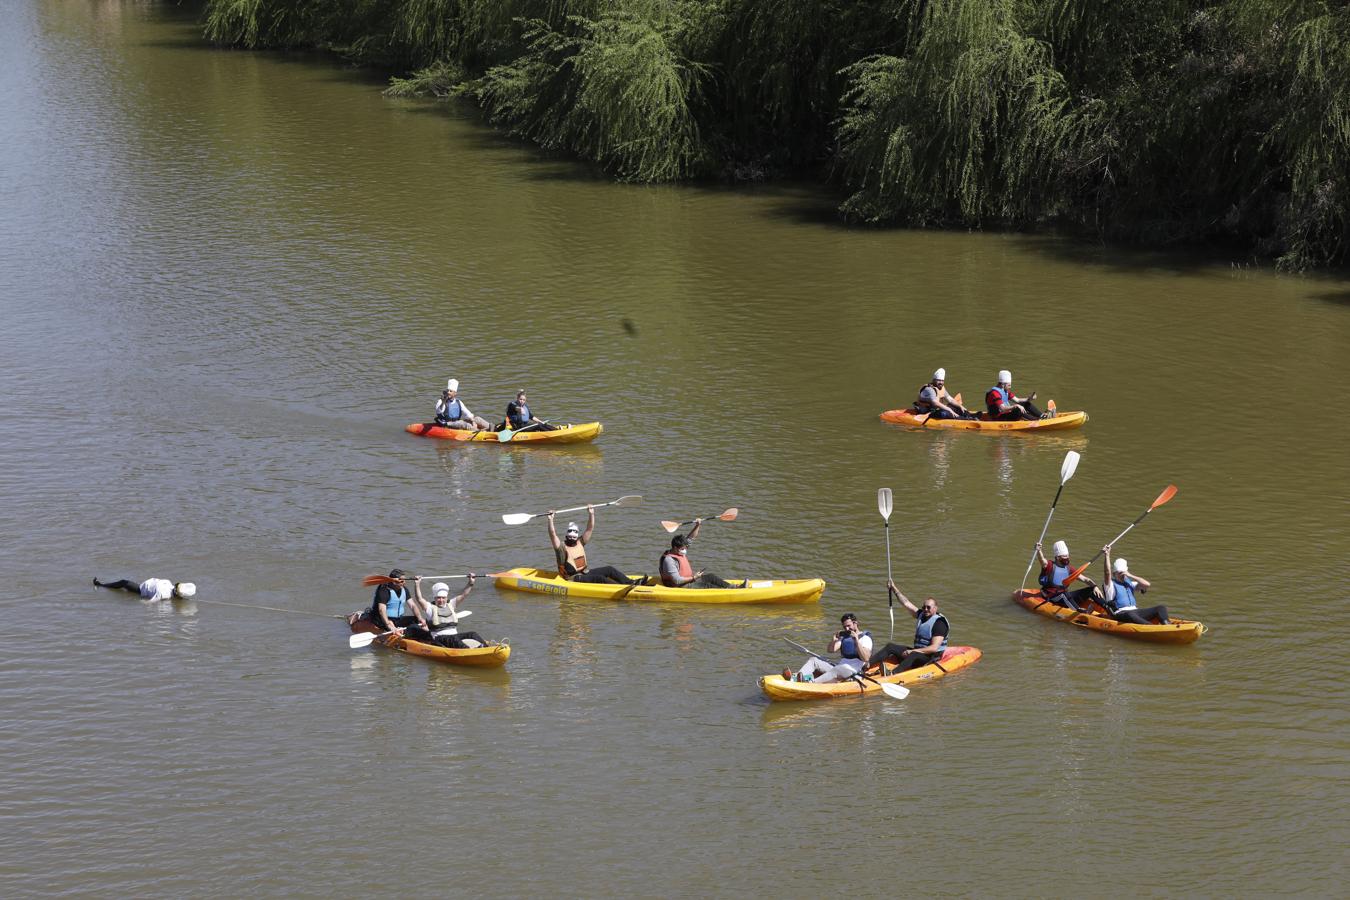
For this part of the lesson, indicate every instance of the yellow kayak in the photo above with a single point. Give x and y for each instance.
(568, 434)
(776, 687)
(1059, 422)
(547, 581)
(492, 655)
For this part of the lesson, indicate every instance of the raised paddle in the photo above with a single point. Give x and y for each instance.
(506, 433)
(522, 518)
(1066, 471)
(372, 580)
(727, 516)
(896, 691)
(1168, 493)
(884, 506)
(366, 638)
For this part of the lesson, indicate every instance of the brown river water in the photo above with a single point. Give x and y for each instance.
(227, 280)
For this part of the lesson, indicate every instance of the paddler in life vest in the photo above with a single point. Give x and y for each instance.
(934, 400)
(1005, 406)
(571, 554)
(1120, 590)
(677, 571)
(518, 416)
(452, 413)
(152, 588)
(1054, 572)
(930, 638)
(392, 609)
(441, 620)
(853, 646)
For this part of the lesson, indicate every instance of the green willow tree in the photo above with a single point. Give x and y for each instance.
(1160, 121)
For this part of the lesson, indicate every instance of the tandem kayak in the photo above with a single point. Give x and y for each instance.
(567, 434)
(489, 656)
(546, 581)
(779, 688)
(1059, 422)
(1180, 631)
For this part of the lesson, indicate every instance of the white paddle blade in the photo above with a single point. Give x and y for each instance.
(364, 639)
(627, 499)
(898, 691)
(516, 518)
(884, 502)
(1070, 466)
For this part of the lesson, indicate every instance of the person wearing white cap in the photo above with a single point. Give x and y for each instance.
(452, 413)
(442, 620)
(1121, 586)
(1054, 572)
(935, 401)
(152, 588)
(571, 554)
(1005, 406)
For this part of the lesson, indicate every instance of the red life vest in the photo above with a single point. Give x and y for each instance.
(682, 561)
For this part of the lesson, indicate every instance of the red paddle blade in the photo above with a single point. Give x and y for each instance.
(669, 526)
(372, 580)
(1168, 493)
(730, 515)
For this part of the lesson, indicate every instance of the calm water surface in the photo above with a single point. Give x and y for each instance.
(227, 280)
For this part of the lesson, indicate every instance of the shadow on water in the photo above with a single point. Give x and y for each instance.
(1336, 298)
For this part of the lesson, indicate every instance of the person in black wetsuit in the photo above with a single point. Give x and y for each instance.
(930, 637)
(571, 554)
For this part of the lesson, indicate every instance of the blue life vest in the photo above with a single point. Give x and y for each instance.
(1004, 396)
(923, 634)
(1123, 598)
(453, 411)
(393, 608)
(1053, 581)
(521, 417)
(848, 647)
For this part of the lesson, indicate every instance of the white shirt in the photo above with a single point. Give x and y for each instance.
(157, 589)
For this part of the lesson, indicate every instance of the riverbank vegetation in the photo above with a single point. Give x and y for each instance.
(1156, 121)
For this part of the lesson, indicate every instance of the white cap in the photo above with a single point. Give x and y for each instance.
(440, 589)
(1004, 376)
(1120, 566)
(452, 384)
(940, 375)
(186, 589)
(1061, 548)
(572, 528)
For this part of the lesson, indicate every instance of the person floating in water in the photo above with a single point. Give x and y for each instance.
(152, 588)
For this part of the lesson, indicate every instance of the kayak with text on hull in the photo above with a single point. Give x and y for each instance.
(490, 656)
(545, 581)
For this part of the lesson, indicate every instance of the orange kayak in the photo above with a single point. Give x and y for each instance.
(567, 434)
(1060, 422)
(1180, 631)
(779, 688)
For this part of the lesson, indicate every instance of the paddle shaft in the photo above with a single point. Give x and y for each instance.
(1044, 528)
(1073, 576)
(570, 509)
(890, 598)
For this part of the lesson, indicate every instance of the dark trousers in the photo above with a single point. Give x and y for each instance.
(126, 584)
(1016, 414)
(547, 426)
(708, 580)
(897, 651)
(602, 575)
(1142, 615)
(453, 641)
(1073, 600)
